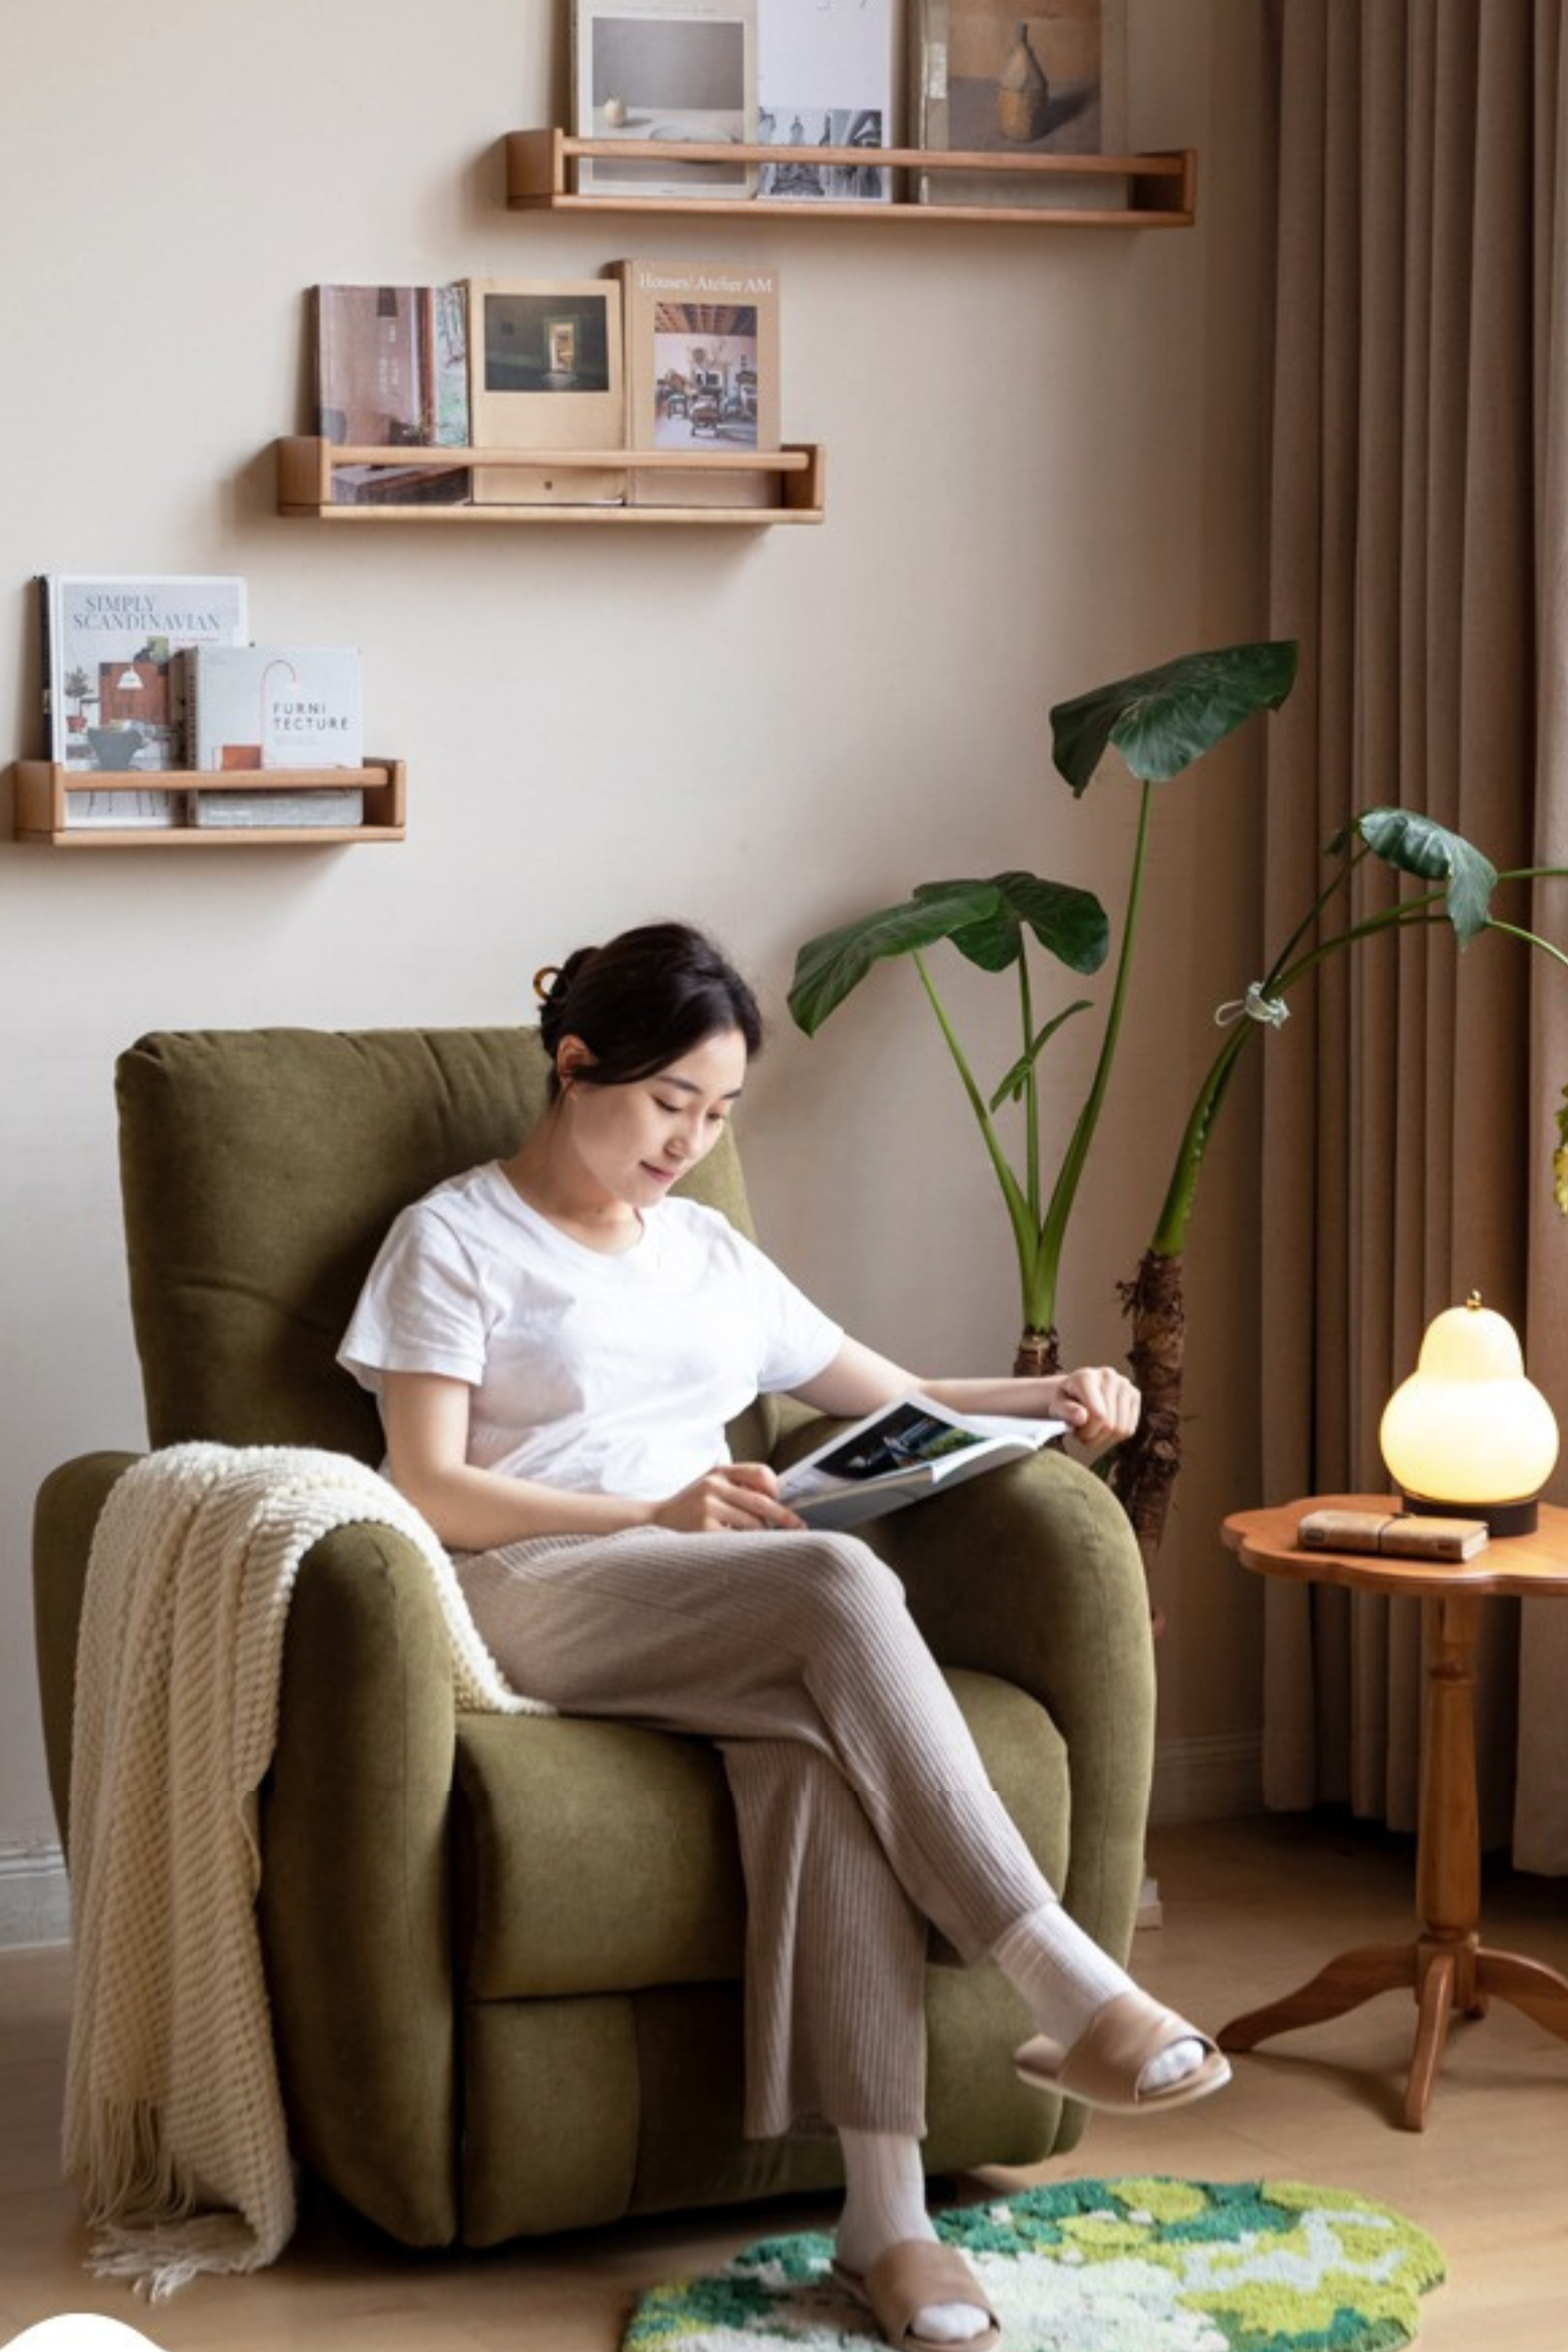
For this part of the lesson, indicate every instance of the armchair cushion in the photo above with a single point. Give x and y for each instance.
(602, 1858)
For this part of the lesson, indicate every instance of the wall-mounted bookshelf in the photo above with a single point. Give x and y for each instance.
(43, 817)
(1155, 191)
(307, 468)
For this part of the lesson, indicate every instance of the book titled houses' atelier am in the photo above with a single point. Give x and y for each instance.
(110, 687)
(900, 1455)
(702, 374)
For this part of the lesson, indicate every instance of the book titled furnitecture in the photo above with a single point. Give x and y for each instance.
(273, 707)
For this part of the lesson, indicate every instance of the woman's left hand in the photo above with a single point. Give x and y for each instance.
(1098, 1403)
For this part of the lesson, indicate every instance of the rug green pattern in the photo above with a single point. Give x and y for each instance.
(1154, 2265)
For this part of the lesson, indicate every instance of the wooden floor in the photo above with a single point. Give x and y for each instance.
(1250, 1908)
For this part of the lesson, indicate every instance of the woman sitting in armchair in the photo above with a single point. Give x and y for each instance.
(556, 1346)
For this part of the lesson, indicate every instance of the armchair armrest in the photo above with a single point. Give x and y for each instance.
(1032, 1573)
(64, 1516)
(356, 1882)
(356, 1878)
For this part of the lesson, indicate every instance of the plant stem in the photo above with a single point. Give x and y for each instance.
(1031, 1090)
(1025, 1236)
(1530, 939)
(1170, 1230)
(1054, 1232)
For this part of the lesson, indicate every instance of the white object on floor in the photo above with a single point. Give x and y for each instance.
(80, 2331)
(1150, 1910)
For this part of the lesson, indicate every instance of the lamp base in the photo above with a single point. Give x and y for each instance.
(1516, 1518)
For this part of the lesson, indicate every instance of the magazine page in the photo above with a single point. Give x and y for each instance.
(825, 78)
(894, 1456)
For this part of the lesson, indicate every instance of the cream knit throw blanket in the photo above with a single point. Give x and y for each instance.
(173, 2127)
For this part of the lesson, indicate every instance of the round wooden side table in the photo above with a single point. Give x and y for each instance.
(1447, 1966)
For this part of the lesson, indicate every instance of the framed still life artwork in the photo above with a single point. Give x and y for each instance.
(990, 79)
(664, 72)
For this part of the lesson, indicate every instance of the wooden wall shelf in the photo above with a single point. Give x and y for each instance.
(306, 465)
(1161, 190)
(41, 786)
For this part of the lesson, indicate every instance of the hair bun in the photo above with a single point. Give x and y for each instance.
(552, 984)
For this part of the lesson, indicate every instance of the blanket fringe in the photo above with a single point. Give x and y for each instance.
(148, 2223)
(157, 2261)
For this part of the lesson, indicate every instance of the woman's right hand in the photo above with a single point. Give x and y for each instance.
(733, 1498)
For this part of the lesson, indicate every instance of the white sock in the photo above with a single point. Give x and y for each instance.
(884, 2201)
(1065, 1976)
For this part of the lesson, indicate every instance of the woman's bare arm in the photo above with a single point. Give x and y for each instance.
(1098, 1404)
(425, 1417)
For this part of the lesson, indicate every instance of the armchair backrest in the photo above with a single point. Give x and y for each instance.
(260, 1172)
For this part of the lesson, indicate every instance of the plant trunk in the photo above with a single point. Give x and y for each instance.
(1038, 1356)
(1146, 1467)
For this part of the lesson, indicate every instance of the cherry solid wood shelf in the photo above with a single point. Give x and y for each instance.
(41, 786)
(306, 467)
(1161, 189)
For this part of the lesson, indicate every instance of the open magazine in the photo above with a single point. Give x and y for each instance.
(902, 1452)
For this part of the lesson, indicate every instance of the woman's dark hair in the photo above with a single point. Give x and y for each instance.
(642, 1001)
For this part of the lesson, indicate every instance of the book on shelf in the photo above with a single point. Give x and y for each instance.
(546, 373)
(409, 483)
(391, 371)
(985, 79)
(272, 707)
(702, 374)
(659, 71)
(112, 688)
(312, 804)
(901, 1454)
(825, 78)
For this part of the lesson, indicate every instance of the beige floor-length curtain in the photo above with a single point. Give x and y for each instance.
(1419, 552)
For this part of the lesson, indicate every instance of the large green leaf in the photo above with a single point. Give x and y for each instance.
(984, 919)
(1412, 844)
(1160, 720)
(1069, 924)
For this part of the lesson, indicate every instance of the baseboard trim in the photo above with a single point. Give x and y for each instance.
(35, 1898)
(1210, 1780)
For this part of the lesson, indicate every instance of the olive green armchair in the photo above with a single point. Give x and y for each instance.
(503, 1954)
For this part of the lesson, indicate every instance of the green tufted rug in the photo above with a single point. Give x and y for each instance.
(1101, 2266)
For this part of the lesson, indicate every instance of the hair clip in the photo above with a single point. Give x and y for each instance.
(545, 982)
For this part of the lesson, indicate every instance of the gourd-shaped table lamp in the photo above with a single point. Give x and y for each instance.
(1467, 1434)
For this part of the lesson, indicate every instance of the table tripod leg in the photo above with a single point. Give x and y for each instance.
(1436, 2000)
(1346, 1982)
(1527, 1984)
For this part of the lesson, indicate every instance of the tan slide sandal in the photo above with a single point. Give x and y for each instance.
(908, 2278)
(1103, 2065)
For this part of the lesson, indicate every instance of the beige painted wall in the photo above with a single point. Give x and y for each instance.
(1045, 467)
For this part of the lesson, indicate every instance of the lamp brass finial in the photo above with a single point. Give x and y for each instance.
(1473, 1301)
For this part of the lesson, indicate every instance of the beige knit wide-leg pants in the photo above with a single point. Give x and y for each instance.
(864, 1812)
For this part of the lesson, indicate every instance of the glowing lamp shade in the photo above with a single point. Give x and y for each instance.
(1467, 1433)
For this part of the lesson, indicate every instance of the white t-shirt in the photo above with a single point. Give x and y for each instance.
(609, 1374)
